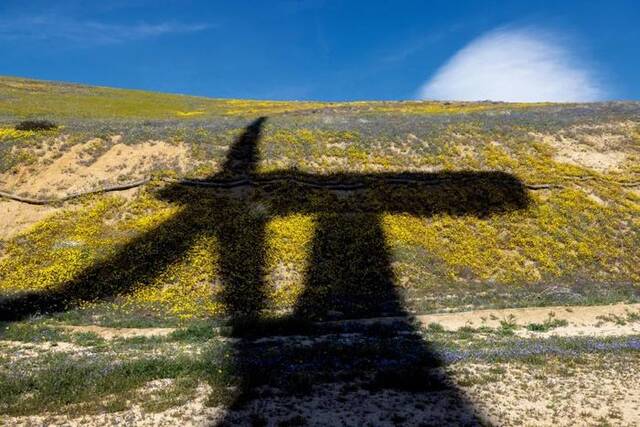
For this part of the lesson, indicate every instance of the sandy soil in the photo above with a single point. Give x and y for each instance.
(507, 394)
(523, 395)
(605, 387)
(111, 333)
(17, 216)
(59, 172)
(76, 171)
(594, 152)
(19, 350)
(582, 320)
(518, 395)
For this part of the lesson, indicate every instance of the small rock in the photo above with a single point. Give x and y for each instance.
(67, 244)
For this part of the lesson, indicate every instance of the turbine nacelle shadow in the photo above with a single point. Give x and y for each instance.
(421, 194)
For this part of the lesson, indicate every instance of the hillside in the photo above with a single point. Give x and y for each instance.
(260, 218)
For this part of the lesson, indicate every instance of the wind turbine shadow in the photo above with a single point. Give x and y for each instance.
(349, 273)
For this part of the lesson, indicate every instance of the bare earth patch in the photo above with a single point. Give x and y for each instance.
(20, 350)
(17, 216)
(76, 170)
(124, 333)
(589, 394)
(597, 321)
(573, 152)
(600, 152)
(581, 320)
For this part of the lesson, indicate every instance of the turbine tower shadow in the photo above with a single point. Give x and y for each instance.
(349, 271)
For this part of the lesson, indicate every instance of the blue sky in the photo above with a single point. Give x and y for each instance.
(332, 50)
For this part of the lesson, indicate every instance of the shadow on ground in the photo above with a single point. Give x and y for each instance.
(349, 276)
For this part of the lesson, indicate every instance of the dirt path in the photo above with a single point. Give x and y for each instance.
(603, 320)
(111, 333)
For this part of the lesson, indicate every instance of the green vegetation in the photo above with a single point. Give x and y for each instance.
(33, 98)
(94, 376)
(553, 241)
(160, 256)
(580, 234)
(550, 323)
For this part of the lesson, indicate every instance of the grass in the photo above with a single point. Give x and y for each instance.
(629, 317)
(35, 332)
(94, 377)
(550, 323)
(32, 98)
(61, 381)
(35, 98)
(574, 243)
(508, 325)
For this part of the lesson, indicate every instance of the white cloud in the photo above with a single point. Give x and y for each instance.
(86, 32)
(510, 64)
